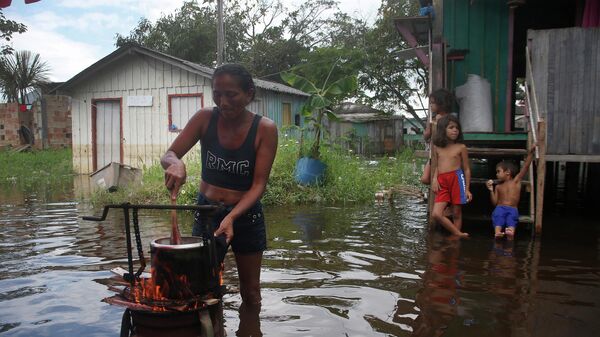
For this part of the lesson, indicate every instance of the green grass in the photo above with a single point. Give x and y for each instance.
(31, 169)
(349, 179)
(152, 189)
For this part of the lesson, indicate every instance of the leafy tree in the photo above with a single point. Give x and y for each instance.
(389, 81)
(304, 29)
(7, 29)
(20, 73)
(263, 35)
(269, 38)
(189, 33)
(385, 81)
(345, 49)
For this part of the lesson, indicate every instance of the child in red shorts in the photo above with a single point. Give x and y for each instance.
(452, 176)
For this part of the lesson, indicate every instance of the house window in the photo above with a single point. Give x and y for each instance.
(286, 118)
(181, 108)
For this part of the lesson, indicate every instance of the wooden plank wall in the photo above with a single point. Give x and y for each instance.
(566, 68)
(145, 129)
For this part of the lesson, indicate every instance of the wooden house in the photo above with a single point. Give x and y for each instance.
(129, 106)
(552, 49)
(365, 130)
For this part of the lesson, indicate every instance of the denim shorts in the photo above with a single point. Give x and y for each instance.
(249, 233)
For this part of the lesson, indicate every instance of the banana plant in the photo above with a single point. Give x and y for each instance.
(320, 103)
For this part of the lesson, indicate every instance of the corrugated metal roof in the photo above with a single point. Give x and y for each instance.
(355, 108)
(366, 117)
(186, 65)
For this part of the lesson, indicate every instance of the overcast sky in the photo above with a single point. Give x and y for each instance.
(70, 35)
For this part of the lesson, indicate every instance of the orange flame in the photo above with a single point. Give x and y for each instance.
(221, 269)
(163, 285)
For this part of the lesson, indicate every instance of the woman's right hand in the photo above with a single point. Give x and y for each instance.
(175, 176)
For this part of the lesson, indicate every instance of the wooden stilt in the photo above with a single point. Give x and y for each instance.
(531, 186)
(541, 176)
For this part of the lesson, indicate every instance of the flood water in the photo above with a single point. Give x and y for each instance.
(370, 270)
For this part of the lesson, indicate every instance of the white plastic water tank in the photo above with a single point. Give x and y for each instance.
(475, 101)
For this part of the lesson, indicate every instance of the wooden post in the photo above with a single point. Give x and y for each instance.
(541, 176)
(532, 189)
(437, 80)
(437, 68)
(220, 34)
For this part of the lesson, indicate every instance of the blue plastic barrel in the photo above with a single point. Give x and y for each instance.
(309, 171)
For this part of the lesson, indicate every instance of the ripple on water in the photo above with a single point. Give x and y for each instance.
(353, 270)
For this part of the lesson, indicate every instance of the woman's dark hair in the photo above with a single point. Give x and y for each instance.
(440, 139)
(444, 98)
(240, 73)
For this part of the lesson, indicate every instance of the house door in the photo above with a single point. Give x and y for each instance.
(286, 118)
(107, 135)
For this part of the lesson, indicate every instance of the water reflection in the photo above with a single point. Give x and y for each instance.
(249, 321)
(503, 268)
(438, 300)
(311, 223)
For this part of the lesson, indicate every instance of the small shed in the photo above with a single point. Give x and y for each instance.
(366, 130)
(129, 106)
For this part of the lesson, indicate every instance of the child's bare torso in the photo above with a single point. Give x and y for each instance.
(509, 193)
(449, 157)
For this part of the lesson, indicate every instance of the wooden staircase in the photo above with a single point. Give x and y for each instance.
(516, 154)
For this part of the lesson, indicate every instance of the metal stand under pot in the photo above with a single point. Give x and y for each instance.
(182, 294)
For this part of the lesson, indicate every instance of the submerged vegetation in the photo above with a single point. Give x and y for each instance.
(30, 169)
(39, 172)
(349, 178)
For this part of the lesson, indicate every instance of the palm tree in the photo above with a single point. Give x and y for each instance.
(20, 73)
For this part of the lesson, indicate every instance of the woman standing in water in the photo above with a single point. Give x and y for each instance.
(238, 148)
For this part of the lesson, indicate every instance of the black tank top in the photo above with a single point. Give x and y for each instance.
(231, 169)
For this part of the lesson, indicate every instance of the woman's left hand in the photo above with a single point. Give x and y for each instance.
(226, 228)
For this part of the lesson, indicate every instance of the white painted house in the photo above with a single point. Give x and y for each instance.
(129, 106)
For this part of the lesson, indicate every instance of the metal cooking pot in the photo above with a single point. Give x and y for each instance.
(183, 270)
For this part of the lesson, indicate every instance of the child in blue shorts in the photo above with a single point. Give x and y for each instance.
(506, 196)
